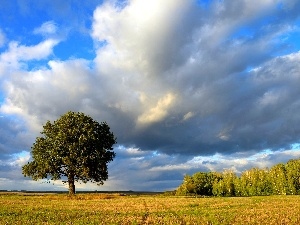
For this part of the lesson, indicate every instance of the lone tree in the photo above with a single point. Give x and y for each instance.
(74, 146)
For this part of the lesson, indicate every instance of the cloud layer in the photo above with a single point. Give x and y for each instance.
(180, 82)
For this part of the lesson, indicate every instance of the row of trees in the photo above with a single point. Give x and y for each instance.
(281, 179)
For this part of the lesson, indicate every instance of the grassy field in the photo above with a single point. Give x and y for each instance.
(117, 209)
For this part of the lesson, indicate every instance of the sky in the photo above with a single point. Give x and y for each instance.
(185, 85)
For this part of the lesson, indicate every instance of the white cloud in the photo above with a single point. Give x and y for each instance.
(270, 98)
(157, 112)
(46, 28)
(20, 52)
(16, 54)
(188, 115)
(42, 99)
(224, 134)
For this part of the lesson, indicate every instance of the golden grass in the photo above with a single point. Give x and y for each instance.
(117, 209)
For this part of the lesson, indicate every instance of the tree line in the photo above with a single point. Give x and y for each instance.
(281, 179)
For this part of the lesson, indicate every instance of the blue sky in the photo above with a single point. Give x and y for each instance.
(185, 85)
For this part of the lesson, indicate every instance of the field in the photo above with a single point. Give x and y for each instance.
(146, 209)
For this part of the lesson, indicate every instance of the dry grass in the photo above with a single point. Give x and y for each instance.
(117, 209)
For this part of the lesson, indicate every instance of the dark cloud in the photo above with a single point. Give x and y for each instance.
(13, 137)
(231, 105)
(249, 111)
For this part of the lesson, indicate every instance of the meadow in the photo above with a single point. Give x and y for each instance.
(146, 209)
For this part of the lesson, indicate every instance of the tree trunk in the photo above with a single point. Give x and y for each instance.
(71, 185)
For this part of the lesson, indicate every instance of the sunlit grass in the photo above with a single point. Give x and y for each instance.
(116, 209)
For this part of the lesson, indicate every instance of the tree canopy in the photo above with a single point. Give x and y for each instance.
(76, 147)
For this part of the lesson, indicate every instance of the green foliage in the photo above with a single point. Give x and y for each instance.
(200, 183)
(74, 146)
(292, 169)
(253, 182)
(204, 182)
(225, 186)
(187, 187)
(279, 180)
